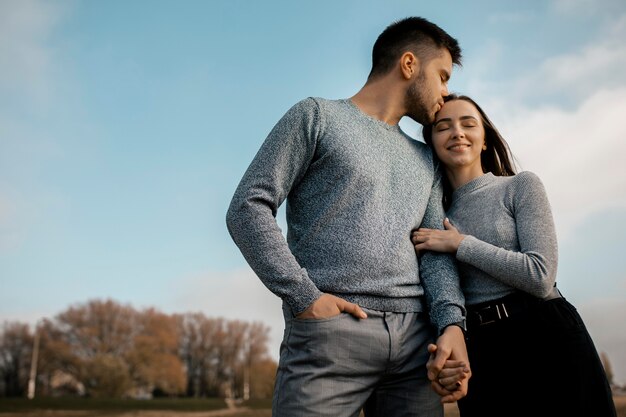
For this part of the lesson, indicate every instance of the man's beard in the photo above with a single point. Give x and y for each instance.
(415, 103)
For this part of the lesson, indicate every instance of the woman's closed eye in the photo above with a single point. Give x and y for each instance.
(442, 126)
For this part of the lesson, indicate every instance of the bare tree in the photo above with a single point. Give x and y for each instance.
(16, 343)
(200, 339)
(254, 361)
(221, 356)
(103, 348)
(97, 328)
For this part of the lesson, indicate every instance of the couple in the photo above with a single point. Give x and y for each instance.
(371, 325)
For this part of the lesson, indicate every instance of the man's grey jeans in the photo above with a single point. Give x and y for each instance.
(341, 365)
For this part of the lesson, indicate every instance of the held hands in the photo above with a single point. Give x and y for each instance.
(448, 365)
(328, 306)
(447, 240)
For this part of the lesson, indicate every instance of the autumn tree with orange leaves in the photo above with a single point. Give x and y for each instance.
(106, 349)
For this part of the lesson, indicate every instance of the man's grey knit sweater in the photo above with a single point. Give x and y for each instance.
(355, 188)
(511, 241)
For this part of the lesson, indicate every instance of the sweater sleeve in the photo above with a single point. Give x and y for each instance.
(438, 272)
(533, 268)
(280, 163)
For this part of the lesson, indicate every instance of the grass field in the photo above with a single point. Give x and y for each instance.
(76, 407)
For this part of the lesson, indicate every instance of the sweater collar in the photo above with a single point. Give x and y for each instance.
(473, 185)
(387, 126)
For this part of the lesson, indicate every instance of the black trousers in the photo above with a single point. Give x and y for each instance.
(539, 362)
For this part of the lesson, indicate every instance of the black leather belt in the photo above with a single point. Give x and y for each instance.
(503, 308)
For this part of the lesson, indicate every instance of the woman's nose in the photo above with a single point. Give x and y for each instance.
(457, 132)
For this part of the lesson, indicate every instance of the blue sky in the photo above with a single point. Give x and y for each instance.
(125, 127)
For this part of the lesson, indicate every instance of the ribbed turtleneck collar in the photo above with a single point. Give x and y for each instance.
(472, 185)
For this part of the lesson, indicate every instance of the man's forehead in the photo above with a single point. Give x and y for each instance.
(442, 61)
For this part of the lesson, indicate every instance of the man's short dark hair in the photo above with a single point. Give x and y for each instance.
(412, 34)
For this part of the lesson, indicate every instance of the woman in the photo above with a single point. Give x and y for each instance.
(501, 229)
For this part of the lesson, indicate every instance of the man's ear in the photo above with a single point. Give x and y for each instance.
(409, 65)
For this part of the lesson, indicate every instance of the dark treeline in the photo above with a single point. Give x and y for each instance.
(105, 349)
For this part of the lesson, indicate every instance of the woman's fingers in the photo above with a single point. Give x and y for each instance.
(455, 364)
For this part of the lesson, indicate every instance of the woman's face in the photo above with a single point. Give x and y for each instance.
(458, 136)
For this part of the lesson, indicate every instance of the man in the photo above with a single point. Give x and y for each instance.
(356, 299)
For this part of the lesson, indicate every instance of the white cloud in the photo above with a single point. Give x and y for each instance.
(578, 154)
(11, 231)
(568, 78)
(617, 29)
(586, 7)
(585, 72)
(576, 143)
(574, 6)
(28, 86)
(507, 18)
(605, 321)
(30, 317)
(236, 294)
(574, 140)
(25, 56)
